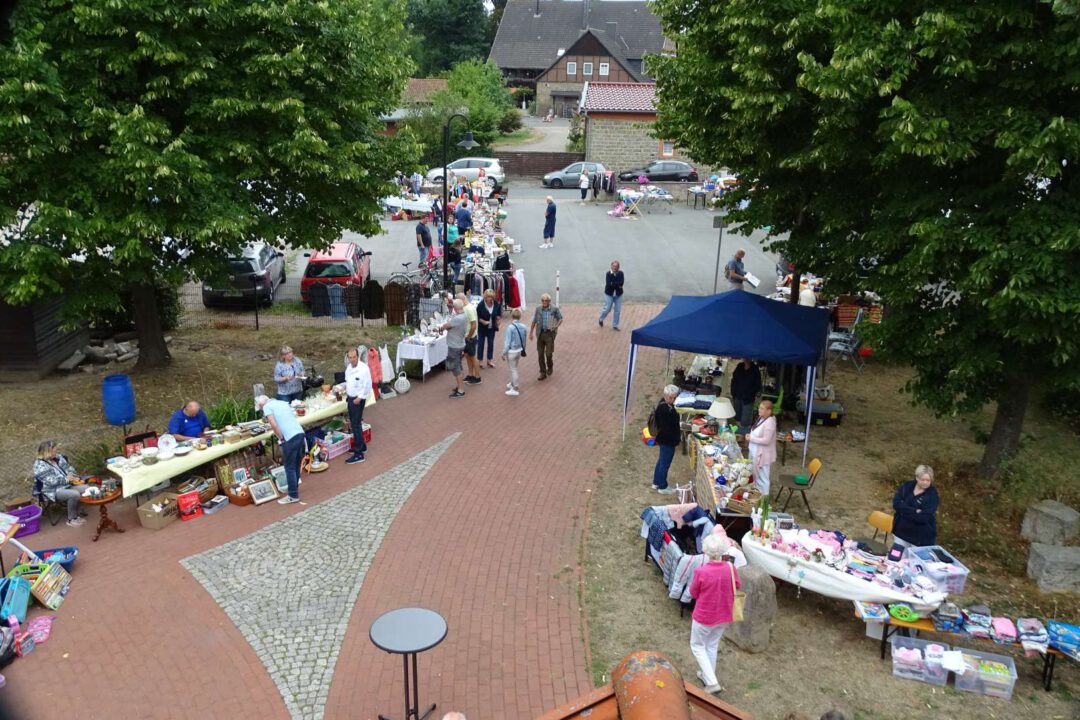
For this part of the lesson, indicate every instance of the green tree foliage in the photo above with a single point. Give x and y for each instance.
(152, 139)
(926, 150)
(446, 32)
(475, 89)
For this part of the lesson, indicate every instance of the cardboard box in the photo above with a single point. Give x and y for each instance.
(155, 521)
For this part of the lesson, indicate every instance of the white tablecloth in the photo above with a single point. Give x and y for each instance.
(396, 202)
(432, 354)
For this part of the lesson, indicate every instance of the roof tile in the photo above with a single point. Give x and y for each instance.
(620, 97)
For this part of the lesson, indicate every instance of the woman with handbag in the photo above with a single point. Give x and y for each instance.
(488, 313)
(714, 588)
(514, 349)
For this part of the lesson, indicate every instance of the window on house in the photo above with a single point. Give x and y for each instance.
(571, 68)
(605, 68)
(667, 148)
(586, 68)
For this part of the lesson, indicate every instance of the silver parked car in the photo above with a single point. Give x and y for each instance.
(569, 175)
(469, 169)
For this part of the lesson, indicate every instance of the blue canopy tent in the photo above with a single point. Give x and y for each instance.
(737, 324)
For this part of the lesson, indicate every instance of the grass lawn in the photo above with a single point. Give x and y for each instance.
(207, 363)
(518, 137)
(819, 657)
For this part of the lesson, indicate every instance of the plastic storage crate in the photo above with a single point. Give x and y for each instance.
(29, 520)
(927, 668)
(14, 598)
(948, 581)
(987, 674)
(338, 448)
(66, 556)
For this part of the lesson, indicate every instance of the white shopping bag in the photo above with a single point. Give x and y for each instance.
(384, 362)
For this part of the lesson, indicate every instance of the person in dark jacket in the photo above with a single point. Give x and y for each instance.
(613, 291)
(745, 386)
(667, 439)
(916, 504)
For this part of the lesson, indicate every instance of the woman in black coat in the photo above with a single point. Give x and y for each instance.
(488, 313)
(916, 504)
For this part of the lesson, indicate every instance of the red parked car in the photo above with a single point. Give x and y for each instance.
(343, 263)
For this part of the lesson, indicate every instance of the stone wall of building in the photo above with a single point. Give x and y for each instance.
(623, 144)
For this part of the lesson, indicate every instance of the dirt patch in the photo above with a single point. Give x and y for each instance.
(207, 362)
(819, 657)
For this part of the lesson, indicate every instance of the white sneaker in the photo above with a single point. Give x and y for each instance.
(667, 491)
(543, 245)
(512, 393)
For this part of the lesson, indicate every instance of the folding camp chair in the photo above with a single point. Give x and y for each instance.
(847, 349)
(848, 332)
(51, 509)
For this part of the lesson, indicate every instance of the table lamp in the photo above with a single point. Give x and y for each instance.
(721, 409)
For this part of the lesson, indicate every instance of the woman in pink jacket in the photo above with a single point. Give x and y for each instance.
(762, 443)
(713, 589)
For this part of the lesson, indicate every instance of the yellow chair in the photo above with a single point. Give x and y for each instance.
(882, 522)
(789, 483)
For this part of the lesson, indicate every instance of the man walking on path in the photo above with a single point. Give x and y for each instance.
(613, 290)
(549, 224)
(290, 435)
(545, 325)
(735, 271)
(357, 389)
(423, 240)
(455, 345)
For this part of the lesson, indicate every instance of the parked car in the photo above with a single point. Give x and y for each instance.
(252, 277)
(343, 263)
(469, 168)
(568, 176)
(660, 170)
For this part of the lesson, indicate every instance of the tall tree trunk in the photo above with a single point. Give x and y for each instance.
(1008, 421)
(153, 353)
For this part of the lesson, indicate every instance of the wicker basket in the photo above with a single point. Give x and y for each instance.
(207, 494)
(239, 495)
(746, 505)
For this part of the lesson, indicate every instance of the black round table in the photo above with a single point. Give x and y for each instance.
(406, 632)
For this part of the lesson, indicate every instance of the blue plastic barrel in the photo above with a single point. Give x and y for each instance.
(118, 399)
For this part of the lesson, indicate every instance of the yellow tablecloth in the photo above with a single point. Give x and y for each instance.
(145, 477)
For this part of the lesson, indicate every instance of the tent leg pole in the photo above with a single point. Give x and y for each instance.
(810, 371)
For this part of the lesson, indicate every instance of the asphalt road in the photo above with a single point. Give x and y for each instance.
(661, 254)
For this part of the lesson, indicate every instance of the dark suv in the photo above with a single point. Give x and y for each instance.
(253, 277)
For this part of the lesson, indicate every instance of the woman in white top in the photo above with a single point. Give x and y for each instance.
(762, 443)
(583, 183)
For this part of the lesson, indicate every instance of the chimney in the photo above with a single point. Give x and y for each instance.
(585, 14)
(612, 28)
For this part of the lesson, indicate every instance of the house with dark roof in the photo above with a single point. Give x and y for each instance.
(619, 119)
(542, 41)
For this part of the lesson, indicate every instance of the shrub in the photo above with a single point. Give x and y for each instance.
(510, 122)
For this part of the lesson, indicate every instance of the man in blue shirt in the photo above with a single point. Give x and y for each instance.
(464, 218)
(735, 272)
(291, 436)
(188, 422)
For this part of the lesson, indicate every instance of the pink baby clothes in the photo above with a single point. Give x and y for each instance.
(676, 512)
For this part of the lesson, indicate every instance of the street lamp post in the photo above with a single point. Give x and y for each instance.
(468, 143)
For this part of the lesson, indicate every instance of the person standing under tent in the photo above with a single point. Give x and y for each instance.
(762, 444)
(745, 386)
(668, 436)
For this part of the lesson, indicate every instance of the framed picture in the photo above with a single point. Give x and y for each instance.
(280, 479)
(240, 475)
(262, 491)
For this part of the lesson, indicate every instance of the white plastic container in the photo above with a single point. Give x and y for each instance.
(983, 681)
(951, 582)
(927, 670)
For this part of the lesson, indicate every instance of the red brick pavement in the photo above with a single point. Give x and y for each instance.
(490, 539)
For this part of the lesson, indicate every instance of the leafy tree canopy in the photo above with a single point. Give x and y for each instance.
(475, 89)
(446, 32)
(152, 138)
(922, 149)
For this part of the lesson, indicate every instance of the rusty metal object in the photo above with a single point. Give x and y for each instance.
(648, 686)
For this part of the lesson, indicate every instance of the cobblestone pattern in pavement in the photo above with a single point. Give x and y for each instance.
(290, 587)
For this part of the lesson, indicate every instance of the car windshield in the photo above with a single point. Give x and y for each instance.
(240, 267)
(327, 270)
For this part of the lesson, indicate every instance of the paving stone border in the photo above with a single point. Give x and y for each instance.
(291, 586)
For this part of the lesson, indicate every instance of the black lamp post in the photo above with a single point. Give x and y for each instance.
(468, 143)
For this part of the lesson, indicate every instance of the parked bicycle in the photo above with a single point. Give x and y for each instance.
(428, 276)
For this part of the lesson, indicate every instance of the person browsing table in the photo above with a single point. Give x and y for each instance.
(762, 445)
(456, 327)
(357, 389)
(188, 422)
(289, 375)
(545, 325)
(472, 377)
(290, 434)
